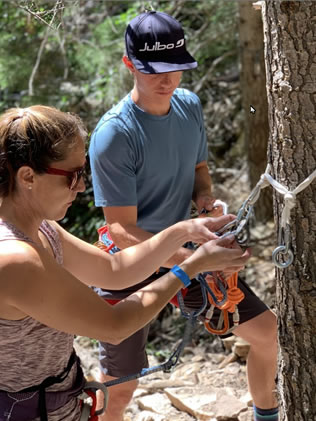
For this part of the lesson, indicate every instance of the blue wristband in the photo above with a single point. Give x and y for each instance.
(181, 275)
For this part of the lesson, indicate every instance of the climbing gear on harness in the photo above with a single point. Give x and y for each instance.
(230, 305)
(222, 291)
(89, 412)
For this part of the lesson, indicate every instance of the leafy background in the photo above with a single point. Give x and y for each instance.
(68, 54)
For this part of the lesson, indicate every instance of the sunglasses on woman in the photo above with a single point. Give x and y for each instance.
(74, 177)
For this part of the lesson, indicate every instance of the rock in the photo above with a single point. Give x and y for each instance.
(227, 360)
(186, 371)
(157, 402)
(140, 391)
(156, 385)
(241, 348)
(246, 415)
(229, 342)
(247, 399)
(149, 416)
(205, 404)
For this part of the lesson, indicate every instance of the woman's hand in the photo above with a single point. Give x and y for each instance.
(218, 255)
(201, 230)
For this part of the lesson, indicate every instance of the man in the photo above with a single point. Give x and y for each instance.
(149, 159)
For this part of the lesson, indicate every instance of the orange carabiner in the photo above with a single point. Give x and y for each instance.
(234, 296)
(218, 331)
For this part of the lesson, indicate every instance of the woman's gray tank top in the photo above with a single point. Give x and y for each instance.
(31, 351)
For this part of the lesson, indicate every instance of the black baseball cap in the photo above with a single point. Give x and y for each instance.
(155, 43)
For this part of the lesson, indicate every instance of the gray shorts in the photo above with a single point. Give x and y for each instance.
(129, 357)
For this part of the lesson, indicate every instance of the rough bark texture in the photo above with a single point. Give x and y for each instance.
(253, 82)
(290, 51)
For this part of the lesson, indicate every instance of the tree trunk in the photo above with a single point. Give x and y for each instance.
(290, 47)
(253, 84)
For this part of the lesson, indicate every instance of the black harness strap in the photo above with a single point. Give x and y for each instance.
(49, 381)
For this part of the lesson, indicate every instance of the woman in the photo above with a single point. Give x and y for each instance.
(45, 272)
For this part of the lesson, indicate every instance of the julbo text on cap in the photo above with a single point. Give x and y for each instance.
(155, 43)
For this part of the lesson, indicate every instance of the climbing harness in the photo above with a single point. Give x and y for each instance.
(36, 401)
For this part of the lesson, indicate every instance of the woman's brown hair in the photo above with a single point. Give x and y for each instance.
(35, 136)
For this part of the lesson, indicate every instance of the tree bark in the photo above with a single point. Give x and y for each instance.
(253, 84)
(290, 47)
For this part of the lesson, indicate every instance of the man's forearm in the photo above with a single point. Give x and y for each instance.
(202, 183)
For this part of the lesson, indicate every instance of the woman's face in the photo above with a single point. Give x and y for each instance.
(52, 191)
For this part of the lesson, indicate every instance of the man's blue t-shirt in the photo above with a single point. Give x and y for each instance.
(148, 161)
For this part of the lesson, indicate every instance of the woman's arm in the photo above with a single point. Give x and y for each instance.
(33, 283)
(134, 264)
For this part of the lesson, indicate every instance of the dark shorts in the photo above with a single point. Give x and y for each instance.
(129, 357)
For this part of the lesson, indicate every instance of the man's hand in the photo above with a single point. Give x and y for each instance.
(206, 205)
(219, 255)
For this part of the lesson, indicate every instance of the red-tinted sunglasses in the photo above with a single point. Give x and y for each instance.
(74, 177)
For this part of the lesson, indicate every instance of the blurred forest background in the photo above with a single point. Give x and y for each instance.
(68, 54)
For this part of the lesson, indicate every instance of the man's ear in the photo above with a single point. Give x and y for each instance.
(129, 65)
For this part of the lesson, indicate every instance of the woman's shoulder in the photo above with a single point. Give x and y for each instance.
(16, 252)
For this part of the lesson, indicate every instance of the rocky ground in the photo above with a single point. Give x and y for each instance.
(209, 382)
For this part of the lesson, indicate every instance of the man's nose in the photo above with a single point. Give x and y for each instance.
(166, 79)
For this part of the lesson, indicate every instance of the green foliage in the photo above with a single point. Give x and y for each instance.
(80, 67)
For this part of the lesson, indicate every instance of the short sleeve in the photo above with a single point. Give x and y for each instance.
(113, 163)
(202, 151)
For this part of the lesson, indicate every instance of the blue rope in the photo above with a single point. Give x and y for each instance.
(191, 317)
(168, 365)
